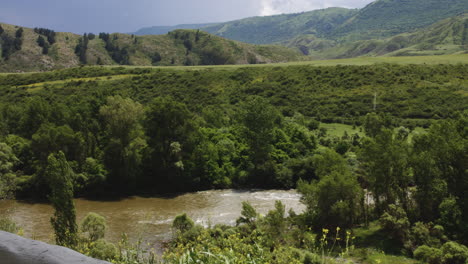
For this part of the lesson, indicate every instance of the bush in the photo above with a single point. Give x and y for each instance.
(311, 258)
(248, 214)
(182, 223)
(102, 249)
(450, 253)
(95, 225)
(454, 253)
(396, 223)
(428, 254)
(7, 225)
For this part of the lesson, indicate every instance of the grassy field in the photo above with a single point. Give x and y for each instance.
(338, 130)
(37, 86)
(442, 59)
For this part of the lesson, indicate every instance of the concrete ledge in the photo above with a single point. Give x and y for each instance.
(18, 250)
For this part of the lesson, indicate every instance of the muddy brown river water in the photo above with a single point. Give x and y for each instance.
(150, 218)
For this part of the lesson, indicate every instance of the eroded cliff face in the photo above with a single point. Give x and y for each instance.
(18, 250)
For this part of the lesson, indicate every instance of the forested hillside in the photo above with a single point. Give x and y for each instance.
(278, 28)
(380, 19)
(105, 132)
(41, 49)
(171, 116)
(448, 36)
(384, 18)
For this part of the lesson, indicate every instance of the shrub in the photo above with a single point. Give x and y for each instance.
(395, 221)
(95, 225)
(248, 214)
(7, 225)
(182, 223)
(454, 253)
(311, 258)
(428, 254)
(102, 249)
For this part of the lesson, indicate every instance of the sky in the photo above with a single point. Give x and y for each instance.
(80, 16)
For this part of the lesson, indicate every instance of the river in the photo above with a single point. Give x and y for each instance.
(150, 218)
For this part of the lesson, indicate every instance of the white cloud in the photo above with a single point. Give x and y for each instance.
(273, 7)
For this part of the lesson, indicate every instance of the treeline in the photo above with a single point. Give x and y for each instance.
(115, 143)
(45, 43)
(414, 94)
(119, 55)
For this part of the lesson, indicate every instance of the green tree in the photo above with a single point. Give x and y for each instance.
(36, 112)
(18, 42)
(248, 214)
(59, 176)
(440, 173)
(182, 223)
(334, 201)
(259, 120)
(7, 175)
(126, 143)
(19, 33)
(95, 225)
(385, 161)
(395, 221)
(41, 41)
(170, 129)
(275, 223)
(374, 123)
(50, 138)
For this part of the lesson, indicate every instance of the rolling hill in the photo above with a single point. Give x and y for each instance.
(383, 28)
(180, 47)
(380, 19)
(384, 18)
(449, 36)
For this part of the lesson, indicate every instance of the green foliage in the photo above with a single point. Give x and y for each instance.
(43, 44)
(123, 153)
(335, 201)
(8, 225)
(385, 158)
(274, 29)
(101, 249)
(81, 49)
(396, 223)
(450, 215)
(389, 17)
(248, 214)
(10, 44)
(275, 223)
(59, 176)
(182, 223)
(95, 225)
(7, 175)
(50, 34)
(428, 254)
(450, 252)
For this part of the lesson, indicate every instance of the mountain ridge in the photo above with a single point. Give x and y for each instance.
(379, 19)
(180, 47)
